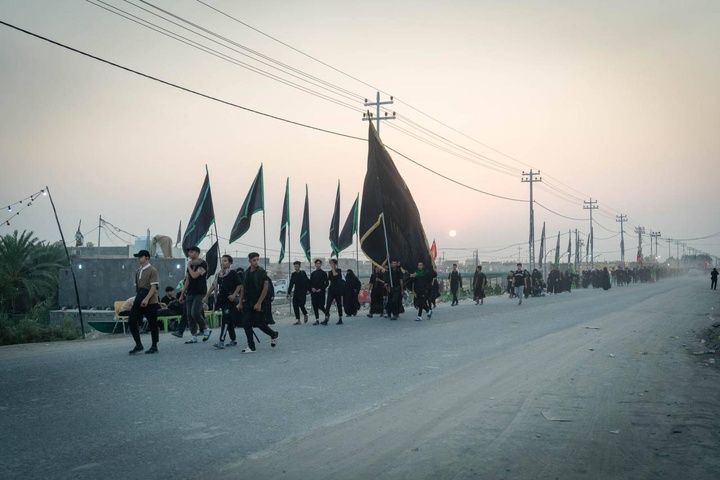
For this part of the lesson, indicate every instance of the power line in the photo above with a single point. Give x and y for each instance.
(179, 87)
(558, 214)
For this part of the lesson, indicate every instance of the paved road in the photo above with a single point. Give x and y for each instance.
(459, 396)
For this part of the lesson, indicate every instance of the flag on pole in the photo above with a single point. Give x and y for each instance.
(335, 225)
(305, 229)
(433, 251)
(285, 221)
(254, 203)
(569, 246)
(202, 218)
(350, 227)
(179, 235)
(213, 259)
(79, 238)
(577, 248)
(557, 252)
(387, 199)
(541, 258)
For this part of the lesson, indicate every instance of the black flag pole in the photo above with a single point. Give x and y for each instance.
(67, 254)
(264, 242)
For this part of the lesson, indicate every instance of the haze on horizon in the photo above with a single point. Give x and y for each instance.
(612, 101)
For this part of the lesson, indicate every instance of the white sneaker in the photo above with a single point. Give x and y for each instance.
(418, 319)
(219, 345)
(248, 350)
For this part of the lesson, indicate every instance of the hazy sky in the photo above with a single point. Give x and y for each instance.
(614, 100)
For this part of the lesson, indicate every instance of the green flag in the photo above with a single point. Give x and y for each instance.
(557, 253)
(335, 225)
(305, 229)
(349, 228)
(285, 221)
(202, 218)
(254, 203)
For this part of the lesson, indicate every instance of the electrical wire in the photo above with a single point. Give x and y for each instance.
(25, 202)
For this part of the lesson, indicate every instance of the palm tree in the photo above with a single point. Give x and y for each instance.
(28, 271)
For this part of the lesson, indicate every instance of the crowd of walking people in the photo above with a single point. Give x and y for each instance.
(244, 296)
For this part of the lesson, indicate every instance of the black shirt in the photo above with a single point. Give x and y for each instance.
(197, 286)
(318, 279)
(226, 287)
(253, 285)
(335, 281)
(519, 278)
(300, 282)
(167, 299)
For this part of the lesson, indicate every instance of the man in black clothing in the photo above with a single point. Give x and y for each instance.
(519, 281)
(169, 296)
(298, 287)
(455, 284)
(394, 286)
(421, 281)
(479, 284)
(227, 285)
(335, 292)
(377, 292)
(713, 279)
(254, 291)
(318, 284)
(194, 289)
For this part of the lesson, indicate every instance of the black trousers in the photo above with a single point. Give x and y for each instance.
(713, 283)
(299, 305)
(229, 317)
(318, 303)
(338, 297)
(421, 303)
(454, 294)
(136, 315)
(394, 301)
(254, 319)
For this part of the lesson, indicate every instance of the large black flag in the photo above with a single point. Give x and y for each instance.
(285, 221)
(213, 259)
(202, 218)
(254, 203)
(349, 228)
(335, 225)
(385, 195)
(305, 229)
(569, 246)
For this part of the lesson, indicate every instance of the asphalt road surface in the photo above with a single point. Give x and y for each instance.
(592, 384)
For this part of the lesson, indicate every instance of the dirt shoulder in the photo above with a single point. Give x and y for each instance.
(621, 398)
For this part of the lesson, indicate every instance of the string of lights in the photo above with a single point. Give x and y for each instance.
(25, 202)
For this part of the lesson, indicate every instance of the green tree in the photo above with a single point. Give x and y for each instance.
(28, 272)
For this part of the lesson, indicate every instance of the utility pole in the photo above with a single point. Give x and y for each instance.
(369, 116)
(531, 241)
(591, 205)
(655, 235)
(640, 230)
(677, 253)
(622, 218)
(669, 240)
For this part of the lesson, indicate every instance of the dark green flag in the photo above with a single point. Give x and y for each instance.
(254, 203)
(385, 195)
(349, 228)
(557, 253)
(305, 229)
(541, 255)
(285, 221)
(202, 218)
(335, 225)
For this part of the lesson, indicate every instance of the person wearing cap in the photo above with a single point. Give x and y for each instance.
(253, 292)
(146, 304)
(193, 292)
(298, 288)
